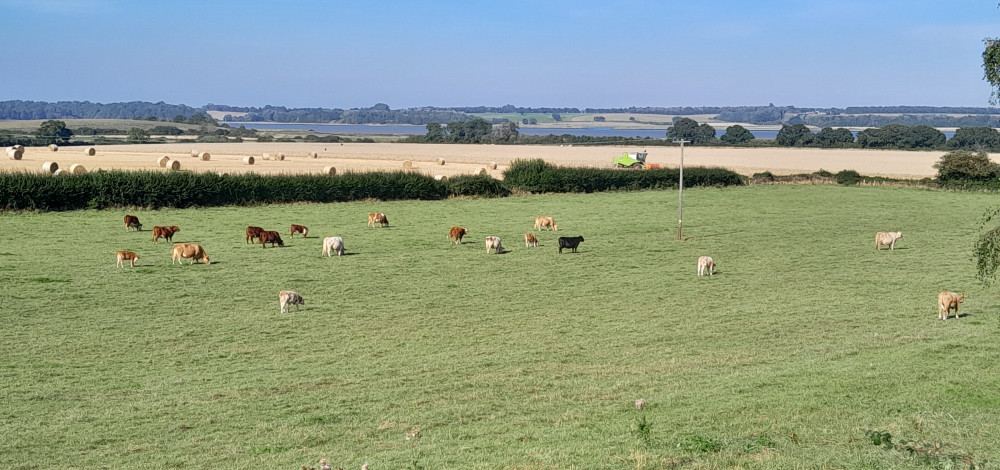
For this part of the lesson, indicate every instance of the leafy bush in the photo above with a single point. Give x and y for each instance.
(966, 165)
(848, 177)
(540, 177)
(476, 185)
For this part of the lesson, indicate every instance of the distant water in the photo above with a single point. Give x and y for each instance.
(404, 130)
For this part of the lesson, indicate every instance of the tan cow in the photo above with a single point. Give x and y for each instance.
(290, 297)
(530, 240)
(706, 265)
(456, 233)
(946, 302)
(887, 238)
(377, 218)
(542, 222)
(188, 250)
(165, 232)
(493, 243)
(123, 256)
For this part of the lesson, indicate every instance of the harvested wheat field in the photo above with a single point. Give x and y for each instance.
(469, 159)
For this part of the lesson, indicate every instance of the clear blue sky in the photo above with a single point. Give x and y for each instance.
(560, 53)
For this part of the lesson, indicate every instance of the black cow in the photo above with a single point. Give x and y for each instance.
(569, 242)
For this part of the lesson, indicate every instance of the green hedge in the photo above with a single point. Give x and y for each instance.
(102, 189)
(537, 176)
(476, 185)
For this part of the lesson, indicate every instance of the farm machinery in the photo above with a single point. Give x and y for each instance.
(635, 160)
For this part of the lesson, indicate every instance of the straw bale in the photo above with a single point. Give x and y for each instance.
(313, 154)
(440, 177)
(162, 161)
(50, 167)
(329, 170)
(492, 165)
(91, 151)
(15, 153)
(440, 161)
(482, 171)
(54, 147)
(248, 160)
(204, 156)
(77, 169)
(58, 172)
(407, 165)
(174, 165)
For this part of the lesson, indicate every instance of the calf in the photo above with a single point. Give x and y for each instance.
(887, 238)
(569, 242)
(253, 232)
(946, 302)
(270, 237)
(290, 297)
(377, 218)
(493, 243)
(530, 240)
(165, 232)
(188, 250)
(456, 233)
(541, 222)
(130, 256)
(131, 222)
(706, 264)
(299, 229)
(331, 244)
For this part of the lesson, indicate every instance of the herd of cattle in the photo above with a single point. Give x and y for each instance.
(947, 301)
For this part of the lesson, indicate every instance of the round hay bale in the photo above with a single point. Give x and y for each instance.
(77, 169)
(440, 161)
(90, 151)
(162, 161)
(204, 156)
(314, 154)
(248, 160)
(19, 147)
(174, 165)
(482, 171)
(407, 165)
(492, 165)
(54, 147)
(329, 170)
(266, 156)
(279, 156)
(15, 153)
(58, 172)
(440, 177)
(50, 167)
(194, 153)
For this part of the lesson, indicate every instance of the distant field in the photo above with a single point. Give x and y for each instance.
(784, 359)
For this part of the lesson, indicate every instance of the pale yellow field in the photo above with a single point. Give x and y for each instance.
(465, 159)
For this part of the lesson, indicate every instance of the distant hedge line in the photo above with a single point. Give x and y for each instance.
(153, 189)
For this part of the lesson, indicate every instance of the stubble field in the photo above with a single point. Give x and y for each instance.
(804, 339)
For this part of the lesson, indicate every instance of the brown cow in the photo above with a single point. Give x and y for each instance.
(132, 221)
(946, 302)
(122, 256)
(299, 229)
(456, 233)
(165, 232)
(542, 222)
(270, 237)
(253, 232)
(377, 218)
(188, 250)
(530, 240)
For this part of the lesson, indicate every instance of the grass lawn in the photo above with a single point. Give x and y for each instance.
(805, 339)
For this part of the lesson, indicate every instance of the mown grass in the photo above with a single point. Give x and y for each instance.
(805, 339)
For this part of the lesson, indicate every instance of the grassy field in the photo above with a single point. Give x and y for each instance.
(804, 340)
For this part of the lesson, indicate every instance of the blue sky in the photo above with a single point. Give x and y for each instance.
(559, 53)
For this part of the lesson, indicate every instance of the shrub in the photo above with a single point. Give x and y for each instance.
(848, 177)
(965, 165)
(540, 177)
(476, 185)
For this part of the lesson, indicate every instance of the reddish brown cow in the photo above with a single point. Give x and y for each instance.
(456, 233)
(253, 232)
(270, 237)
(299, 229)
(165, 232)
(132, 221)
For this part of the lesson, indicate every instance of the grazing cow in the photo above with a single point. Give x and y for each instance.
(331, 244)
(456, 233)
(131, 222)
(569, 242)
(493, 243)
(541, 222)
(706, 265)
(188, 250)
(253, 232)
(946, 302)
(290, 297)
(530, 240)
(270, 237)
(165, 232)
(377, 218)
(130, 256)
(887, 238)
(299, 229)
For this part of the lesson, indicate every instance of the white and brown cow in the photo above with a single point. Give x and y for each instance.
(290, 297)
(887, 238)
(493, 243)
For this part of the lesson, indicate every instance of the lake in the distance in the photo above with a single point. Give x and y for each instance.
(404, 130)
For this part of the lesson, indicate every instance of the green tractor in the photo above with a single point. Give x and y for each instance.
(631, 160)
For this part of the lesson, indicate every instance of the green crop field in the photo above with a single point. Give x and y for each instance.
(804, 350)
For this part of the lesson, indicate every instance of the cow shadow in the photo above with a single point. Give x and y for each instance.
(720, 234)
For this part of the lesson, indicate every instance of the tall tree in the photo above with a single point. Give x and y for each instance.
(52, 132)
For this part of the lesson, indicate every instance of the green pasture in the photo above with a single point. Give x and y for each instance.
(805, 344)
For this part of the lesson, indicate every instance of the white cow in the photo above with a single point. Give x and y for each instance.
(331, 244)
(706, 265)
(493, 243)
(887, 238)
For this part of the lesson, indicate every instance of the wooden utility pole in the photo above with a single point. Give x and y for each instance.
(680, 191)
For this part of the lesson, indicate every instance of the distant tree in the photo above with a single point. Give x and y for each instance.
(975, 138)
(599, 119)
(829, 137)
(795, 135)
(556, 117)
(991, 67)
(137, 134)
(505, 132)
(165, 130)
(689, 129)
(927, 137)
(180, 119)
(52, 131)
(435, 133)
(380, 107)
(736, 135)
(964, 165)
(265, 138)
